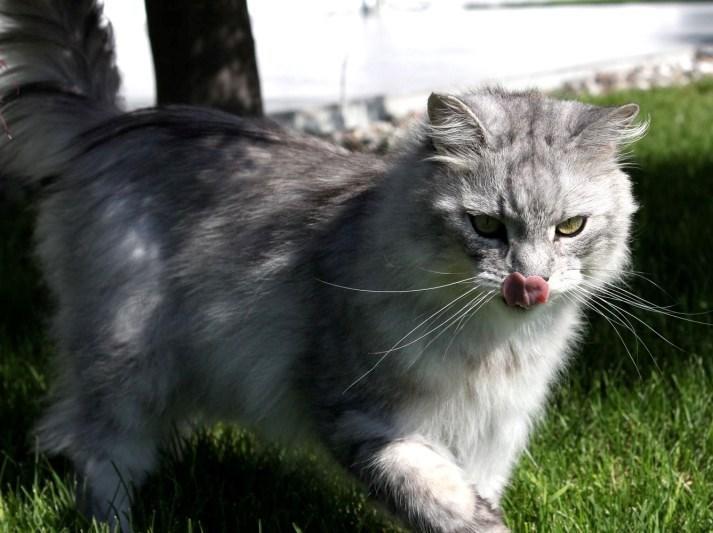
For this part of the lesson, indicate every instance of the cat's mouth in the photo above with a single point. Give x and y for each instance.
(520, 292)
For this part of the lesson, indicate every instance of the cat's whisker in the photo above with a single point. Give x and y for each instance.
(430, 318)
(617, 286)
(635, 273)
(588, 304)
(624, 296)
(441, 273)
(455, 315)
(587, 301)
(632, 315)
(385, 354)
(645, 305)
(638, 338)
(454, 319)
(628, 297)
(622, 314)
(640, 275)
(402, 291)
(491, 295)
(433, 317)
(460, 325)
(477, 303)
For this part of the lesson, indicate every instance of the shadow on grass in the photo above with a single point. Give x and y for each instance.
(235, 482)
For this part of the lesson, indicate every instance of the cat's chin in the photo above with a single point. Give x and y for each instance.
(518, 315)
(524, 311)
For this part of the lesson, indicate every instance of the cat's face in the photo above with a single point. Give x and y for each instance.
(532, 186)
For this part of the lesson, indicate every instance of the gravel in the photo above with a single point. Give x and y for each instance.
(379, 134)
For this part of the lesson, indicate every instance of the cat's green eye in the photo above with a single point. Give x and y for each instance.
(487, 226)
(571, 227)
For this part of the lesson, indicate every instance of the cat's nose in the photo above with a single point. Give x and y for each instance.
(522, 291)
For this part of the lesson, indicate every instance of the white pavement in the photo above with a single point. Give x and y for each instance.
(309, 56)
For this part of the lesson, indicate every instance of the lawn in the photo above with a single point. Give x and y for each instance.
(627, 443)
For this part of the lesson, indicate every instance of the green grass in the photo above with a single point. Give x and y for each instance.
(627, 444)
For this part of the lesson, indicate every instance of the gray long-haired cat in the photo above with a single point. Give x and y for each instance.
(410, 312)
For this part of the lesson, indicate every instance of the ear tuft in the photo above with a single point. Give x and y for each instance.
(623, 119)
(613, 127)
(455, 130)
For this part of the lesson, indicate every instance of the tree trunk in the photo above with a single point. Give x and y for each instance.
(204, 54)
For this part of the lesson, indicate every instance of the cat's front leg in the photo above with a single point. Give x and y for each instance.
(422, 483)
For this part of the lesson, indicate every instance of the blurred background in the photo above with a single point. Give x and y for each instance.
(321, 52)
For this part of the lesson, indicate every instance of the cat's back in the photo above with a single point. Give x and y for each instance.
(197, 157)
(187, 208)
(201, 182)
(182, 234)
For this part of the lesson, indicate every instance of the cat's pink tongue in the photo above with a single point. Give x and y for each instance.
(522, 291)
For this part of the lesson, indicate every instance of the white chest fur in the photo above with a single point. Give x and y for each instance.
(487, 392)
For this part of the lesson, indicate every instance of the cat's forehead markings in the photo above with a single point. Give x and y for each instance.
(530, 189)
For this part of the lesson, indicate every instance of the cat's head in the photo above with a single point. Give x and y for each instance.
(531, 193)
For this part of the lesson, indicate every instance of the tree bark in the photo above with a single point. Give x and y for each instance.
(204, 54)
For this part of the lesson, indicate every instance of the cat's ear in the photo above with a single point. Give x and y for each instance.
(609, 127)
(455, 130)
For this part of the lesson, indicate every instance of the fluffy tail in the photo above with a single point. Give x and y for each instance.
(58, 78)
